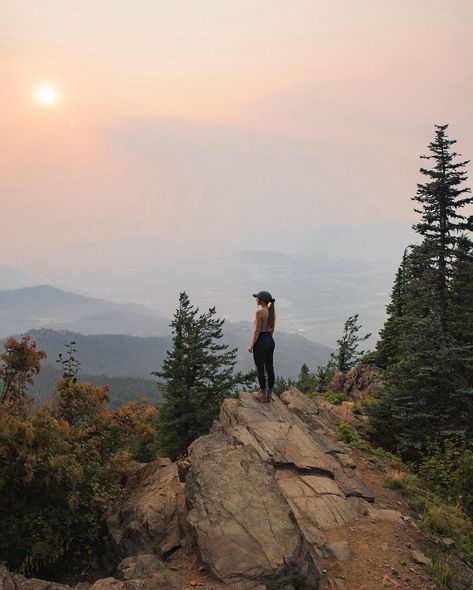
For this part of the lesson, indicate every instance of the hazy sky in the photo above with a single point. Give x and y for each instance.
(215, 118)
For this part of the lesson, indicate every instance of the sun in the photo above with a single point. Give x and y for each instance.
(46, 95)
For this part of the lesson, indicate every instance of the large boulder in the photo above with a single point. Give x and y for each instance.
(151, 516)
(11, 581)
(244, 527)
(140, 572)
(358, 383)
(316, 477)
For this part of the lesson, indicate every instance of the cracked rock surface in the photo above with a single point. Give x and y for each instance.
(265, 486)
(244, 527)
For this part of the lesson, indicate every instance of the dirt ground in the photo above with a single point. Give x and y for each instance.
(379, 555)
(380, 551)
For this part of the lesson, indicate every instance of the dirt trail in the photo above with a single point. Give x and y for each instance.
(380, 551)
(379, 554)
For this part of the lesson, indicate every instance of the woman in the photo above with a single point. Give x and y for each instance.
(262, 344)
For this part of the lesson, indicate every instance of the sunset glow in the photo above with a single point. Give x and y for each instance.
(46, 95)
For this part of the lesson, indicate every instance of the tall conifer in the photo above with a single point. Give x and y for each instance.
(442, 197)
(198, 374)
(425, 342)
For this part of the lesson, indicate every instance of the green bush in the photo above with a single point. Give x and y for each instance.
(444, 573)
(350, 435)
(447, 470)
(333, 397)
(363, 406)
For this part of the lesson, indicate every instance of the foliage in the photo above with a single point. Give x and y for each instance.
(443, 572)
(306, 381)
(426, 344)
(350, 435)
(70, 364)
(441, 199)
(388, 346)
(60, 470)
(281, 385)
(335, 398)
(437, 515)
(18, 365)
(447, 470)
(347, 354)
(198, 374)
(364, 406)
(395, 480)
(325, 373)
(121, 389)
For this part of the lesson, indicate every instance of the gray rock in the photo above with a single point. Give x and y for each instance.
(151, 516)
(317, 502)
(339, 550)
(139, 566)
(6, 580)
(244, 527)
(385, 514)
(318, 480)
(318, 413)
(10, 581)
(419, 557)
(140, 572)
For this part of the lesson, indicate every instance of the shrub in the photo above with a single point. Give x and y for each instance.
(444, 573)
(60, 471)
(396, 480)
(349, 435)
(335, 398)
(448, 470)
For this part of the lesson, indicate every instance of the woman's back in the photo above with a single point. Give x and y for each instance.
(264, 319)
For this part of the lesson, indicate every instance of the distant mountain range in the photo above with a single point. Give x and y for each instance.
(116, 355)
(318, 278)
(47, 307)
(126, 340)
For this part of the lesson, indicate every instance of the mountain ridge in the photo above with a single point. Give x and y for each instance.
(121, 355)
(47, 306)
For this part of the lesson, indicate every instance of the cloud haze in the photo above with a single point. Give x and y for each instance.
(223, 125)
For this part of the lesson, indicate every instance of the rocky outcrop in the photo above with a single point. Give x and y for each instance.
(244, 527)
(265, 485)
(320, 416)
(267, 493)
(151, 516)
(358, 383)
(141, 572)
(10, 581)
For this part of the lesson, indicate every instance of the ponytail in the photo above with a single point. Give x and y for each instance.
(271, 317)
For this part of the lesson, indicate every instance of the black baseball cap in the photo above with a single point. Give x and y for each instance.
(264, 296)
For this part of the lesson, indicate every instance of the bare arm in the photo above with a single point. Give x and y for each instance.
(256, 331)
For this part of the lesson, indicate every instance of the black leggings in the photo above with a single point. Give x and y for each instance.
(263, 354)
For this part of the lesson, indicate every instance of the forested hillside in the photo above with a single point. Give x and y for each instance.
(128, 356)
(121, 389)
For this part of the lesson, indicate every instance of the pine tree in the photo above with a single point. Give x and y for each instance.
(460, 321)
(198, 374)
(347, 354)
(442, 197)
(425, 341)
(306, 381)
(387, 348)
